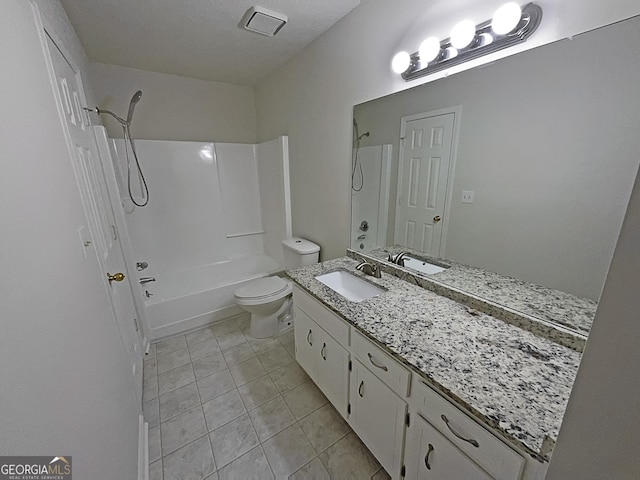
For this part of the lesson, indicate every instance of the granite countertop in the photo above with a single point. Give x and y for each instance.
(527, 298)
(508, 378)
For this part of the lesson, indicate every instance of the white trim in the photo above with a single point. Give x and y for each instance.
(143, 449)
(457, 117)
(287, 186)
(385, 189)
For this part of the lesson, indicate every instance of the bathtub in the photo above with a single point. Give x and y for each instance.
(192, 298)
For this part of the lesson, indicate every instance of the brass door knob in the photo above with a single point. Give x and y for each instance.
(117, 277)
(436, 219)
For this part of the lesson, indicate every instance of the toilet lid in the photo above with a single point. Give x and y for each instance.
(262, 287)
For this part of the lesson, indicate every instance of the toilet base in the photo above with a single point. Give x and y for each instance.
(266, 326)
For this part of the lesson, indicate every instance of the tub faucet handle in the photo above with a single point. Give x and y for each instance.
(141, 265)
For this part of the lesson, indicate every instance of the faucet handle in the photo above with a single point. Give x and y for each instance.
(141, 266)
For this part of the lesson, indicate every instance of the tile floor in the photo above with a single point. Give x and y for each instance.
(221, 405)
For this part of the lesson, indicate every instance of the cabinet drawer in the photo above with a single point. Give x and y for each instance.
(487, 450)
(329, 321)
(381, 364)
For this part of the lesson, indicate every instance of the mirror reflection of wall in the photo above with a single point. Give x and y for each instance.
(548, 145)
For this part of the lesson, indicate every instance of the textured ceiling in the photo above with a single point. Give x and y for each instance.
(198, 38)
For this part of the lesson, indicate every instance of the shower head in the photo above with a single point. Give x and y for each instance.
(365, 134)
(132, 105)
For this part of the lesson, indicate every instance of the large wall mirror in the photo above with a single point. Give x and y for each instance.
(526, 165)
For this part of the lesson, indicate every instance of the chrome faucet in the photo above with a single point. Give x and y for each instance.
(369, 269)
(144, 280)
(398, 259)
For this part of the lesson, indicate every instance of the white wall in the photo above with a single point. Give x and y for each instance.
(600, 432)
(66, 387)
(174, 107)
(310, 98)
(548, 151)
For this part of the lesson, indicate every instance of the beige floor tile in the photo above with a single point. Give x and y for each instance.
(178, 401)
(271, 418)
(222, 328)
(314, 470)
(182, 429)
(289, 377)
(149, 388)
(176, 378)
(246, 371)
(287, 451)
(170, 345)
(233, 440)
(238, 353)
(381, 475)
(169, 361)
(324, 427)
(215, 385)
(349, 459)
(263, 345)
(155, 444)
(291, 349)
(223, 409)
(257, 392)
(252, 465)
(275, 359)
(304, 399)
(231, 339)
(149, 367)
(200, 335)
(203, 349)
(205, 366)
(151, 411)
(155, 471)
(193, 461)
(286, 337)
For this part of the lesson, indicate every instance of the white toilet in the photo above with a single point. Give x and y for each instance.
(269, 299)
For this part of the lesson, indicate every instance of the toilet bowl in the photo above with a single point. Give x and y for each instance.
(269, 302)
(269, 299)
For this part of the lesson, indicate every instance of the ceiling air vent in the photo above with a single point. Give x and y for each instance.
(263, 21)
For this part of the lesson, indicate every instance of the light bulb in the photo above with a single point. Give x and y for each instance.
(429, 49)
(463, 33)
(400, 62)
(506, 18)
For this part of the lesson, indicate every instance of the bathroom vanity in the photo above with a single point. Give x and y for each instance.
(433, 387)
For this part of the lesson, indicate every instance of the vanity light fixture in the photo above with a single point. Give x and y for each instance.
(509, 26)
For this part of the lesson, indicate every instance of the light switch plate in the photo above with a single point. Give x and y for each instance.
(467, 196)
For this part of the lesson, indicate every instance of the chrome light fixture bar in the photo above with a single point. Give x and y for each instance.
(485, 41)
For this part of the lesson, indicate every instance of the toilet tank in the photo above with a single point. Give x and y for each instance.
(299, 252)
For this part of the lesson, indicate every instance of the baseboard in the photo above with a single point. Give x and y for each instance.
(194, 323)
(143, 449)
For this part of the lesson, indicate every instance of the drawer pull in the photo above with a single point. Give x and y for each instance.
(322, 354)
(308, 338)
(470, 440)
(381, 367)
(360, 389)
(426, 457)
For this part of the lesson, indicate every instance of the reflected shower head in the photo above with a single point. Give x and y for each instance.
(132, 105)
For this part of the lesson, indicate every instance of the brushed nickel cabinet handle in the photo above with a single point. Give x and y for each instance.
(322, 350)
(308, 338)
(426, 457)
(470, 440)
(381, 367)
(360, 389)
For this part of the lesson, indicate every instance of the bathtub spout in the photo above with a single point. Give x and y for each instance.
(144, 280)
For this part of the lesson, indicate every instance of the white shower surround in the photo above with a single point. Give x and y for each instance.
(216, 218)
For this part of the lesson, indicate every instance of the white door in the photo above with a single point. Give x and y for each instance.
(430, 455)
(423, 176)
(95, 197)
(377, 416)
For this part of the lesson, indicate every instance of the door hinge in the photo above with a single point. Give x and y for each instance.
(349, 409)
(407, 419)
(350, 366)
(115, 232)
(403, 471)
(135, 322)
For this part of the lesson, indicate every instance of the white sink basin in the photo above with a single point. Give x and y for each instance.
(350, 286)
(421, 266)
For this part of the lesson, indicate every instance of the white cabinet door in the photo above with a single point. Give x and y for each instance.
(430, 455)
(333, 373)
(378, 416)
(307, 335)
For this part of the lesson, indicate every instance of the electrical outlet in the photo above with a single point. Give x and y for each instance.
(467, 196)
